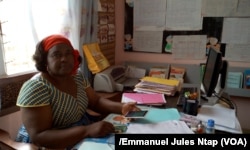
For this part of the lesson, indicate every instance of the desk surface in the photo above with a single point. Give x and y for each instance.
(171, 103)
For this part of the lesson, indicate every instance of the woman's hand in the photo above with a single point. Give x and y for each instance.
(100, 129)
(131, 106)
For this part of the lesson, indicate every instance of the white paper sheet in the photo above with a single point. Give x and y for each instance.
(184, 15)
(189, 47)
(95, 146)
(222, 116)
(149, 14)
(243, 8)
(237, 52)
(219, 8)
(236, 31)
(148, 41)
(166, 127)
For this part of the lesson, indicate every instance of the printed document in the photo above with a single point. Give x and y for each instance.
(184, 15)
(221, 115)
(166, 127)
(236, 31)
(221, 8)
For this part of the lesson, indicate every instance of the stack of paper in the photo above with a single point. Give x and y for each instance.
(165, 127)
(157, 85)
(159, 72)
(144, 98)
(225, 118)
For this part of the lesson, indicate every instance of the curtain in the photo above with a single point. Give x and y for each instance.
(28, 21)
(76, 19)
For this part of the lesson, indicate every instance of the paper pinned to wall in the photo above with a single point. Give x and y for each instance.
(236, 31)
(243, 8)
(184, 15)
(149, 14)
(221, 8)
(148, 41)
(189, 47)
(238, 52)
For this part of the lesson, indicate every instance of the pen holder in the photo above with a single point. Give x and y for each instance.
(190, 106)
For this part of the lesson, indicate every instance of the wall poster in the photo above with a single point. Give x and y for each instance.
(106, 28)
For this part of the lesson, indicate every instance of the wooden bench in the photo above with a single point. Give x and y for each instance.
(9, 90)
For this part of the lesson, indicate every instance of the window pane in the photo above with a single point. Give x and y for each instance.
(25, 23)
(18, 48)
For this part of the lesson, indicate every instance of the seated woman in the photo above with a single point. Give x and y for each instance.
(54, 102)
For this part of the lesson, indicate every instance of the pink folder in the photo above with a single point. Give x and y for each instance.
(144, 98)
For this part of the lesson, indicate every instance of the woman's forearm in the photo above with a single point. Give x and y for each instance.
(107, 106)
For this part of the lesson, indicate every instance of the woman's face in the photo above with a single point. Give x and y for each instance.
(60, 60)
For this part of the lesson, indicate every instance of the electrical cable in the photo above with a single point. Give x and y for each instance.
(231, 104)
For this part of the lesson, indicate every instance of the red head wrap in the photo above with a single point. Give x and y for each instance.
(53, 40)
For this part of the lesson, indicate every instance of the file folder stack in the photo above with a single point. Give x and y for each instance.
(157, 85)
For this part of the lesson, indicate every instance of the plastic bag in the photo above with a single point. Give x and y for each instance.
(95, 58)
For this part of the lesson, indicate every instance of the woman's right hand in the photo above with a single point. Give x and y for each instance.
(100, 129)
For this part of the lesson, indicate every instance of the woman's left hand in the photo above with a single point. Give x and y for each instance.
(131, 106)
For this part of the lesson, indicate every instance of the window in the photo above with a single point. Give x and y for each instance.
(23, 23)
(17, 50)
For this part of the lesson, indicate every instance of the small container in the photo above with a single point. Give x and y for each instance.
(200, 128)
(190, 106)
(210, 127)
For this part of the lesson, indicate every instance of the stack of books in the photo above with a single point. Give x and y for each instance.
(159, 72)
(157, 85)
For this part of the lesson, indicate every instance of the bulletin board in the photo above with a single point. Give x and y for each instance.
(106, 28)
(223, 24)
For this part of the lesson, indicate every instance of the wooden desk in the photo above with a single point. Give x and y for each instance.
(242, 104)
(243, 111)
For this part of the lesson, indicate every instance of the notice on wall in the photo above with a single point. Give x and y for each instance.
(189, 47)
(221, 8)
(149, 14)
(236, 31)
(238, 52)
(243, 8)
(184, 15)
(148, 41)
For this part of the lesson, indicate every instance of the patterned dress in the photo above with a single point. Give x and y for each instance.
(67, 110)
